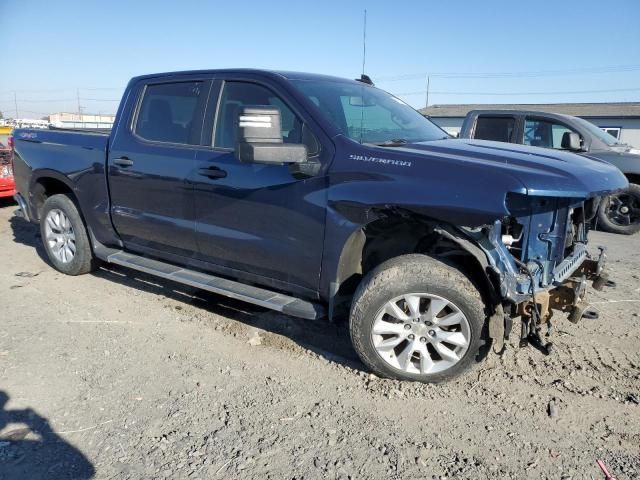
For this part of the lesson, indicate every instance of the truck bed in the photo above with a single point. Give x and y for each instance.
(76, 158)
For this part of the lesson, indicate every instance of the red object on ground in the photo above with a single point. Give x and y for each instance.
(7, 182)
(607, 475)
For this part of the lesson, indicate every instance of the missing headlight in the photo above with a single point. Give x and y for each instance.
(511, 233)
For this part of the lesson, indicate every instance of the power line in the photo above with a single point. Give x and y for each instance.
(529, 74)
(42, 100)
(48, 90)
(46, 100)
(567, 92)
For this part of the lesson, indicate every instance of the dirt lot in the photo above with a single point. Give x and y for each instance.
(115, 375)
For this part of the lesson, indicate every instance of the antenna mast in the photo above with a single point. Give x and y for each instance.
(364, 41)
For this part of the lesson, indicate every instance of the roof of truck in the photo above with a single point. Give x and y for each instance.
(611, 109)
(523, 112)
(284, 74)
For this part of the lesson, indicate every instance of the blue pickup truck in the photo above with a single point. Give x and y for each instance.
(321, 198)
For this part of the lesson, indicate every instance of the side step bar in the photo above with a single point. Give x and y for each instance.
(247, 293)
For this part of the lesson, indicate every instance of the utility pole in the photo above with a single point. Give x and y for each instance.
(79, 108)
(426, 100)
(15, 101)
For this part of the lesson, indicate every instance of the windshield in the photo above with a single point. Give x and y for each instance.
(601, 135)
(367, 114)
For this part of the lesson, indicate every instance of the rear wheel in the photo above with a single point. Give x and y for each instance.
(416, 318)
(621, 213)
(65, 236)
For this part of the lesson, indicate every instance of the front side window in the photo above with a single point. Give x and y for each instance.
(236, 95)
(172, 113)
(367, 114)
(498, 129)
(542, 133)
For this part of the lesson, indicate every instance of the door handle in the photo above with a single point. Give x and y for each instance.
(123, 162)
(213, 172)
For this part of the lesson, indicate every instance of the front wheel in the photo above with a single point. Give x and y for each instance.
(620, 213)
(416, 318)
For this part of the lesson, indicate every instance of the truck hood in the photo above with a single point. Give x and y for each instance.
(627, 161)
(624, 148)
(542, 172)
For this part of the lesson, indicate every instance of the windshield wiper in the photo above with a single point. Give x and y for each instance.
(395, 142)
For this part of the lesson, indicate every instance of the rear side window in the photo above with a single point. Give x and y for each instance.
(172, 113)
(498, 129)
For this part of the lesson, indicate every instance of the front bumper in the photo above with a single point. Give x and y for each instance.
(569, 293)
(22, 211)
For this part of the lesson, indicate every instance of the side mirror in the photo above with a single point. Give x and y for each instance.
(571, 141)
(260, 138)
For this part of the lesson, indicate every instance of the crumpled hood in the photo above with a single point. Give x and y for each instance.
(541, 171)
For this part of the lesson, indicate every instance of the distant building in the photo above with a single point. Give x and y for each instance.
(622, 120)
(84, 120)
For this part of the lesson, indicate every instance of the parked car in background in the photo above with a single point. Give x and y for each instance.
(7, 183)
(321, 197)
(618, 213)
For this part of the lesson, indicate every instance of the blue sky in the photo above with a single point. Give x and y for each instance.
(50, 49)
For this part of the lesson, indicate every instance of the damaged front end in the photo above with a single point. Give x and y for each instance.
(539, 262)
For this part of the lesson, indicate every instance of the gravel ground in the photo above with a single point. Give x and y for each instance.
(118, 375)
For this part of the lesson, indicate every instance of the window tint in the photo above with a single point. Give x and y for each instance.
(172, 112)
(498, 129)
(236, 95)
(542, 133)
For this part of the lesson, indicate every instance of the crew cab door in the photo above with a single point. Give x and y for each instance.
(259, 222)
(150, 161)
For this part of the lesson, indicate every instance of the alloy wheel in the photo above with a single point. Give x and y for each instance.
(421, 333)
(60, 237)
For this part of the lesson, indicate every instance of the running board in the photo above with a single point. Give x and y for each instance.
(239, 291)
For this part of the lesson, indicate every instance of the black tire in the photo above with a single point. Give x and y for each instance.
(83, 260)
(414, 274)
(610, 219)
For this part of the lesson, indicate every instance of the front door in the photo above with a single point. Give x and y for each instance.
(545, 133)
(258, 220)
(150, 163)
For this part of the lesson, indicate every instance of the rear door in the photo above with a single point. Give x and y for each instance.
(150, 161)
(259, 222)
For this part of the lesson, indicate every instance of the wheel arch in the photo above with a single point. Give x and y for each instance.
(633, 178)
(44, 184)
(394, 232)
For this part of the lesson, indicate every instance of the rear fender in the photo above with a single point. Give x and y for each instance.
(37, 191)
